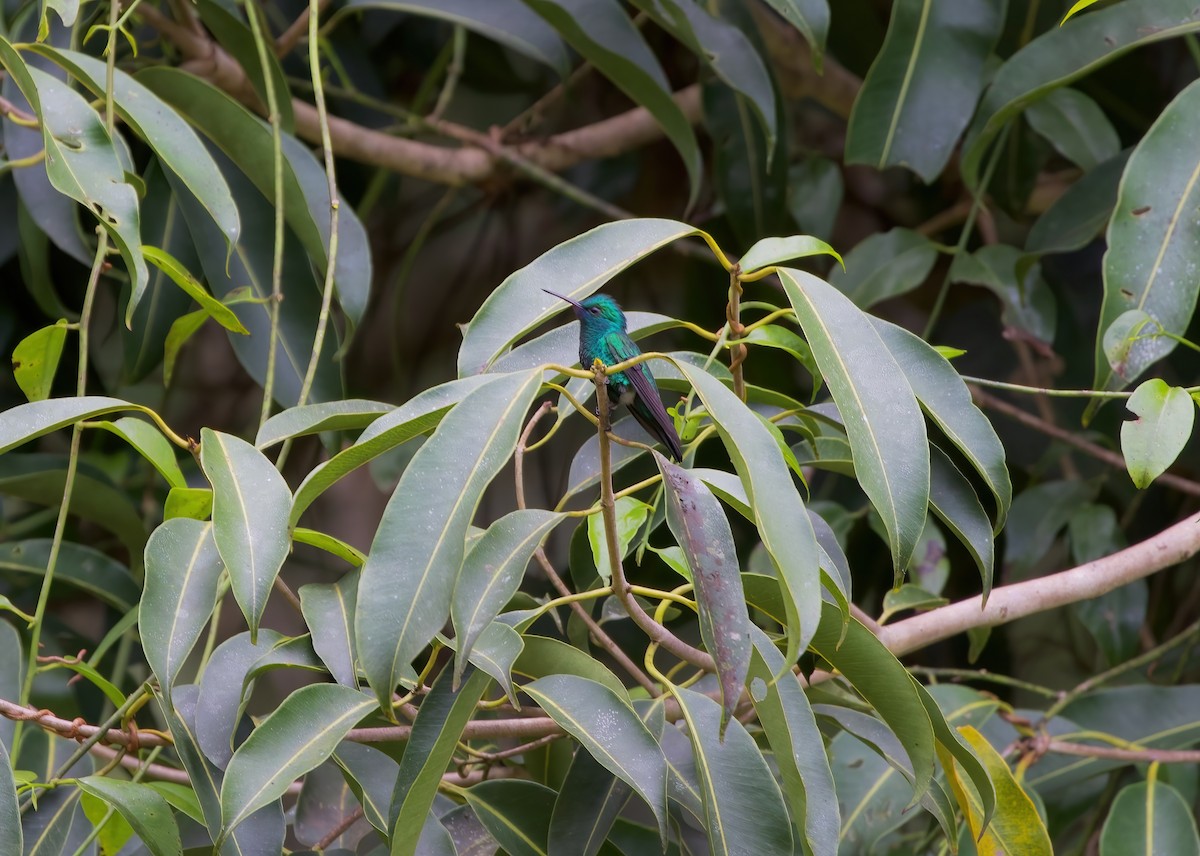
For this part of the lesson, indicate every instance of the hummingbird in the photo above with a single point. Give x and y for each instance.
(603, 336)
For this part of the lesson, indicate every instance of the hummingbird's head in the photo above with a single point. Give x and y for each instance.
(596, 312)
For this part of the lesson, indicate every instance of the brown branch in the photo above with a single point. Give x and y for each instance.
(344, 824)
(1098, 452)
(658, 634)
(1169, 756)
(297, 29)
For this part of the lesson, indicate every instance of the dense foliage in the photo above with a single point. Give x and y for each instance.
(288, 564)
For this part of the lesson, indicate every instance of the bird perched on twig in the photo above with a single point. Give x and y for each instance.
(602, 336)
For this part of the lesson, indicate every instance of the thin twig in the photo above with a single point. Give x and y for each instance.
(658, 633)
(1098, 452)
(1169, 756)
(292, 35)
(345, 823)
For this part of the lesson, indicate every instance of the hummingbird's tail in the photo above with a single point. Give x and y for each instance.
(661, 428)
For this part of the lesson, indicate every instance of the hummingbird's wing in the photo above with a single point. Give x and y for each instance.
(647, 406)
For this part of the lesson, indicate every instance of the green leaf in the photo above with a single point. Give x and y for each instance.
(724, 49)
(699, 525)
(1016, 826)
(744, 810)
(343, 415)
(1152, 240)
(225, 691)
(1064, 54)
(1076, 126)
(946, 400)
(419, 415)
(405, 592)
(779, 513)
(508, 22)
(496, 652)
(1079, 215)
(10, 814)
(815, 191)
(575, 268)
(772, 251)
(1149, 817)
(27, 422)
(516, 813)
(182, 329)
(543, 657)
(811, 18)
(631, 515)
(605, 37)
(1028, 302)
(435, 735)
(193, 502)
(298, 735)
(587, 805)
(799, 749)
(150, 444)
(329, 613)
(82, 162)
(918, 96)
(880, 678)
(953, 499)
(35, 360)
(1151, 442)
(492, 572)
(144, 809)
(611, 732)
(331, 545)
(178, 274)
(182, 570)
(877, 405)
(886, 264)
(166, 132)
(371, 775)
(80, 566)
(251, 502)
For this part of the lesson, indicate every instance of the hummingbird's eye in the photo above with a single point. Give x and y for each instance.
(595, 310)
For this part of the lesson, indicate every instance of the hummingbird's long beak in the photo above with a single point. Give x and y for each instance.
(574, 303)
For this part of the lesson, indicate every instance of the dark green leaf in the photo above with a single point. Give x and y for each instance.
(543, 656)
(251, 502)
(342, 415)
(83, 567)
(886, 264)
(815, 190)
(1028, 302)
(919, 93)
(182, 570)
(1076, 126)
(1148, 818)
(405, 592)
(371, 774)
(301, 733)
(1079, 215)
(225, 691)
(329, 612)
(516, 813)
(587, 805)
(144, 809)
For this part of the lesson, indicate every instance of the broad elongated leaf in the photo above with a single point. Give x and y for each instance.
(1080, 214)
(886, 264)
(405, 592)
(1028, 302)
(84, 567)
(1151, 442)
(877, 405)
(1153, 241)
(435, 735)
(371, 774)
(543, 656)
(251, 503)
(27, 422)
(492, 573)
(509, 22)
(143, 809)
(918, 95)
(1149, 818)
(10, 814)
(516, 813)
(611, 732)
(178, 274)
(315, 418)
(171, 138)
(953, 500)
(415, 417)
(772, 251)
(699, 525)
(779, 513)
(1016, 826)
(575, 269)
(225, 690)
(744, 810)
(588, 803)
(329, 613)
(811, 18)
(301, 733)
(946, 400)
(798, 747)
(182, 570)
(150, 444)
(82, 161)
(1064, 54)
(1076, 126)
(604, 35)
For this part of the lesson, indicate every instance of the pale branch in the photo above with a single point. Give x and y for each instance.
(1168, 756)
(1018, 600)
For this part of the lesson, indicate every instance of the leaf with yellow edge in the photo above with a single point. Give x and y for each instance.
(1016, 827)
